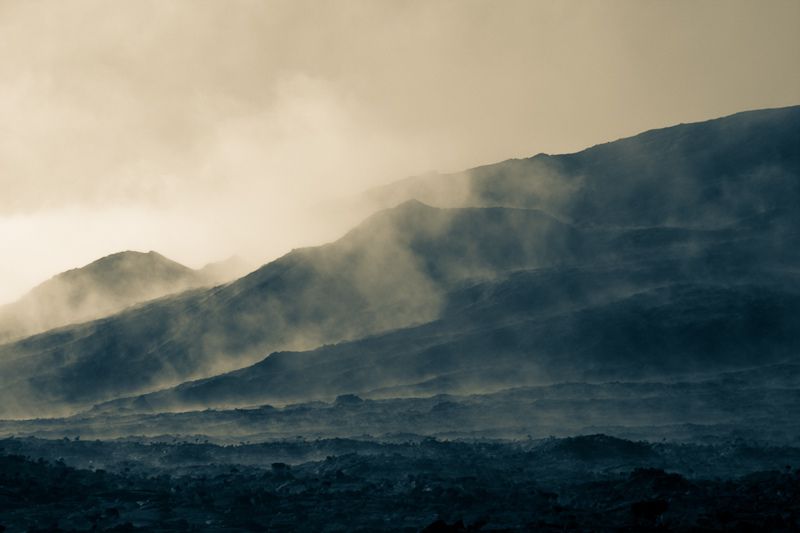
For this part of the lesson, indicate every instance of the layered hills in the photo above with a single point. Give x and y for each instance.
(392, 271)
(670, 254)
(701, 175)
(104, 287)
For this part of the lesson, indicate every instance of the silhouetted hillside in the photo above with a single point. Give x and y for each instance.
(389, 272)
(633, 304)
(704, 174)
(105, 287)
(671, 252)
(98, 289)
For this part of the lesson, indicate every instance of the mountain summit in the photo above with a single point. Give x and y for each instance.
(101, 288)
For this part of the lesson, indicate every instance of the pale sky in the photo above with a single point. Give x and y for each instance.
(205, 128)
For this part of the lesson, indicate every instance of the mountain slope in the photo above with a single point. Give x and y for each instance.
(387, 273)
(697, 223)
(224, 271)
(704, 174)
(98, 289)
(542, 326)
(750, 405)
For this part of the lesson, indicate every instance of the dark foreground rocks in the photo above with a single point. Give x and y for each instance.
(591, 483)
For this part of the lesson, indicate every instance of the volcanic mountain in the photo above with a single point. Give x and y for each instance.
(389, 272)
(101, 288)
(670, 253)
(704, 175)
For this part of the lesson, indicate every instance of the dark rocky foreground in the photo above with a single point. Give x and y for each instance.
(588, 483)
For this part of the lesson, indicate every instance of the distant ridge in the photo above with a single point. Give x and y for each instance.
(703, 174)
(669, 253)
(103, 287)
(389, 272)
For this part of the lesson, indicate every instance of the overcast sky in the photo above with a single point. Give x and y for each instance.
(201, 129)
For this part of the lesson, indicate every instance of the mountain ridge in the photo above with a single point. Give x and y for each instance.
(680, 175)
(400, 268)
(385, 274)
(104, 287)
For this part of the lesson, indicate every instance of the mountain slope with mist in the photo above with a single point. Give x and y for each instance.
(669, 253)
(389, 272)
(102, 288)
(704, 174)
(757, 404)
(665, 318)
(720, 292)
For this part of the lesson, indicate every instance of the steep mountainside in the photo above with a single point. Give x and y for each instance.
(97, 289)
(673, 252)
(657, 319)
(704, 174)
(104, 287)
(389, 272)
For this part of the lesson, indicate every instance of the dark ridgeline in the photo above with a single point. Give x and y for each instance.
(701, 175)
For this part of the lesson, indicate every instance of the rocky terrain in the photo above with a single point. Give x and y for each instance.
(598, 341)
(592, 482)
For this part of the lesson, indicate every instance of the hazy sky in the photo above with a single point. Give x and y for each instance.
(200, 129)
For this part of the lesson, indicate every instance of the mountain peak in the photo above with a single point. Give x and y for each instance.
(131, 256)
(104, 286)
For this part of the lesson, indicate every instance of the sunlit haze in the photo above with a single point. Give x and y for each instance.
(206, 129)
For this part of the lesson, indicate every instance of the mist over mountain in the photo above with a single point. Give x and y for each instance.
(104, 287)
(754, 403)
(704, 174)
(98, 289)
(445, 309)
(666, 317)
(389, 272)
(666, 254)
